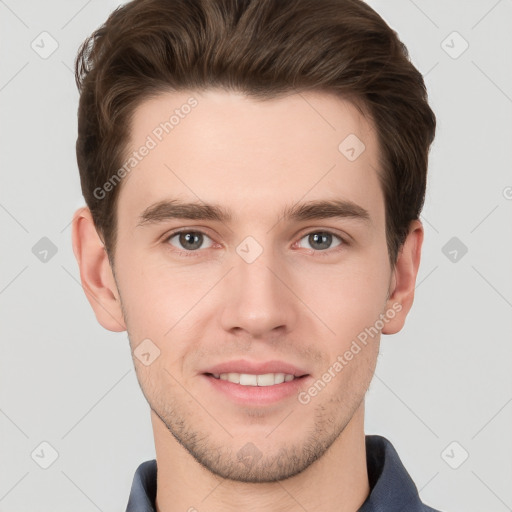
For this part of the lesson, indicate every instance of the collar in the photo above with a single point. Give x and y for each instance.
(391, 487)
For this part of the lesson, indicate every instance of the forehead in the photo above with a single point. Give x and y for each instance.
(250, 155)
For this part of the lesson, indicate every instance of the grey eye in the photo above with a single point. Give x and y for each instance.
(189, 240)
(321, 240)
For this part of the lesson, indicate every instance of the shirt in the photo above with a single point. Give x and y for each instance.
(391, 487)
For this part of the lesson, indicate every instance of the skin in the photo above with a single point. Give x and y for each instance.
(292, 303)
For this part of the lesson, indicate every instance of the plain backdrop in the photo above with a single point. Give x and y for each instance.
(442, 391)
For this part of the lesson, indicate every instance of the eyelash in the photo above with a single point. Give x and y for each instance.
(325, 252)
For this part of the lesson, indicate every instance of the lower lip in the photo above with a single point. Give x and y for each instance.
(257, 395)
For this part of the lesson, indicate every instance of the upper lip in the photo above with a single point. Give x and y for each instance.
(256, 368)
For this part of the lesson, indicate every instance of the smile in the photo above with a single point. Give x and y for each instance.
(247, 379)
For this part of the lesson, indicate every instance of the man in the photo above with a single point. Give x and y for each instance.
(254, 171)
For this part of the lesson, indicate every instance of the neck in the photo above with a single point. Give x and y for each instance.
(336, 482)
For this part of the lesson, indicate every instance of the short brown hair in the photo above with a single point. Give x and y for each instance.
(262, 48)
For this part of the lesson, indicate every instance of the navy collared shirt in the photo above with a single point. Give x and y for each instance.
(391, 487)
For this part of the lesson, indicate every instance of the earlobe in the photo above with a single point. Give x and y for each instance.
(403, 281)
(96, 274)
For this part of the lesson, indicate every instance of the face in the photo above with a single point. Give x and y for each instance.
(279, 266)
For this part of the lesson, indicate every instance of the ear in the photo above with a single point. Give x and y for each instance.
(96, 274)
(403, 279)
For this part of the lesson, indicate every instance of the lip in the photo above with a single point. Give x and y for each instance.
(256, 395)
(255, 368)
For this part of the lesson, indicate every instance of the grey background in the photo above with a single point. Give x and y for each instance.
(445, 378)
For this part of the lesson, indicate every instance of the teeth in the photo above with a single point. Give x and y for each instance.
(247, 379)
(279, 378)
(234, 377)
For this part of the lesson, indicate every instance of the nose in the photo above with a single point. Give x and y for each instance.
(258, 298)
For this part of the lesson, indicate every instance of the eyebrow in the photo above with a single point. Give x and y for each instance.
(311, 210)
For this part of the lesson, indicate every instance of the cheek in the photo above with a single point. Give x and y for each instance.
(348, 296)
(351, 305)
(154, 298)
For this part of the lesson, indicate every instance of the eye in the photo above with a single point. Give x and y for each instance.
(188, 240)
(321, 240)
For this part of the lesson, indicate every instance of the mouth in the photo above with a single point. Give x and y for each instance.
(248, 383)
